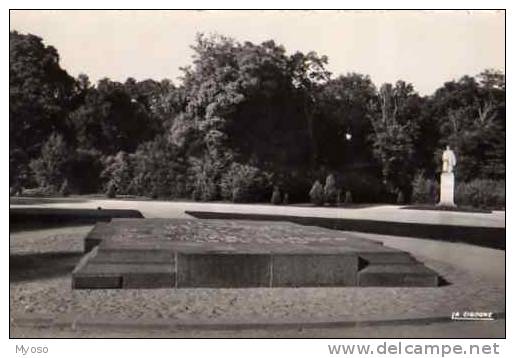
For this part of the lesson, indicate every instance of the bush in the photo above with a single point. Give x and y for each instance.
(400, 198)
(316, 194)
(296, 183)
(330, 191)
(159, 169)
(118, 173)
(65, 188)
(276, 196)
(51, 168)
(244, 183)
(19, 170)
(85, 168)
(424, 190)
(482, 193)
(111, 190)
(206, 174)
(348, 197)
(364, 186)
(42, 191)
(16, 189)
(205, 188)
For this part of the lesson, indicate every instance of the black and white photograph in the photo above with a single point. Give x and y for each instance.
(258, 174)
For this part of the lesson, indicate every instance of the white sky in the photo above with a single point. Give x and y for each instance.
(424, 48)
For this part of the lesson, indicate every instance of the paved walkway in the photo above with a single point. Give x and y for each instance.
(393, 213)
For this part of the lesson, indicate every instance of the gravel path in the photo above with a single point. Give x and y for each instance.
(176, 209)
(494, 329)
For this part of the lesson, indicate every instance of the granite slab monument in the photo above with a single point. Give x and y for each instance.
(176, 253)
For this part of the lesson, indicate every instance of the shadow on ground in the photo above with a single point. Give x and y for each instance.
(44, 218)
(26, 267)
(20, 200)
(340, 206)
(459, 209)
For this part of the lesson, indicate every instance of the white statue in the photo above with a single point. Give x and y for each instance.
(447, 179)
(449, 160)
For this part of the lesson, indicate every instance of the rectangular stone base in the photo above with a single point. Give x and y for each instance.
(223, 270)
(447, 190)
(397, 275)
(314, 270)
(155, 253)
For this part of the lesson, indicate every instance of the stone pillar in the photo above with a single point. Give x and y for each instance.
(447, 189)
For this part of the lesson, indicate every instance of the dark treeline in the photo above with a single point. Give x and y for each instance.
(244, 120)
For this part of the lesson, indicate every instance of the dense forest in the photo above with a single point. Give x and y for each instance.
(250, 123)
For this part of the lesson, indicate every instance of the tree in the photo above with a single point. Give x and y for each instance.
(316, 194)
(245, 183)
(309, 75)
(159, 169)
(40, 96)
(330, 191)
(395, 131)
(471, 118)
(110, 120)
(51, 168)
(492, 79)
(424, 190)
(84, 171)
(343, 108)
(118, 173)
(246, 102)
(276, 196)
(244, 115)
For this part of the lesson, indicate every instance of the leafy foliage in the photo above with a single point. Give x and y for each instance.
(111, 190)
(483, 193)
(159, 170)
(330, 190)
(348, 197)
(118, 173)
(471, 118)
(244, 183)
(276, 196)
(110, 120)
(424, 190)
(395, 131)
(84, 171)
(316, 194)
(244, 116)
(65, 189)
(40, 96)
(50, 169)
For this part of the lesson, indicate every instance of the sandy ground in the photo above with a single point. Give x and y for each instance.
(494, 329)
(40, 286)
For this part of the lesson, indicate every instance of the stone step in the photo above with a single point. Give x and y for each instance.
(216, 270)
(397, 275)
(378, 258)
(133, 256)
(125, 269)
(123, 275)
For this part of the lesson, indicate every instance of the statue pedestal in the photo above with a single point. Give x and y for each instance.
(447, 190)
